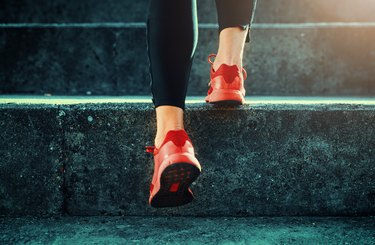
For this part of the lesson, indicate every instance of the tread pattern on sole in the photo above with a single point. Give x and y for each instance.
(174, 184)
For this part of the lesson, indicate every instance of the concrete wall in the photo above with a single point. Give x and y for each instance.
(111, 61)
(262, 159)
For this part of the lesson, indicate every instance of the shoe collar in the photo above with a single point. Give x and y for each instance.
(233, 69)
(178, 137)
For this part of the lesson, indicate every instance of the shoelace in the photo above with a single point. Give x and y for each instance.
(211, 63)
(209, 58)
(150, 149)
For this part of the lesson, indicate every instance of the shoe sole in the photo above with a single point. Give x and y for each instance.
(174, 185)
(226, 102)
(226, 97)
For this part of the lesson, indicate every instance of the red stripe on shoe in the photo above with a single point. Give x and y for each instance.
(174, 187)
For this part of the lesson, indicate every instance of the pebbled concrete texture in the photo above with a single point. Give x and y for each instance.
(107, 159)
(113, 61)
(299, 62)
(271, 161)
(269, 11)
(30, 164)
(188, 230)
(259, 159)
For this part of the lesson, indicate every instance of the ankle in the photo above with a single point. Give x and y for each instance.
(229, 61)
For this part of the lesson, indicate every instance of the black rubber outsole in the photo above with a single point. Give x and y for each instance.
(226, 103)
(174, 183)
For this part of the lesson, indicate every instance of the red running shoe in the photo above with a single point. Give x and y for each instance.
(226, 84)
(175, 169)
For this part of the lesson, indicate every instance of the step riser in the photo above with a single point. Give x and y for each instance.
(303, 61)
(30, 148)
(274, 160)
(270, 11)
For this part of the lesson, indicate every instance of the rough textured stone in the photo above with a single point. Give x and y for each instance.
(105, 61)
(30, 160)
(108, 170)
(65, 61)
(257, 160)
(292, 11)
(276, 158)
(188, 230)
(294, 62)
(268, 11)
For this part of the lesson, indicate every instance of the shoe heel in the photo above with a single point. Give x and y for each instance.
(174, 185)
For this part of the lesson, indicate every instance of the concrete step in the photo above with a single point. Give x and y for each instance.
(270, 11)
(272, 156)
(99, 59)
(188, 230)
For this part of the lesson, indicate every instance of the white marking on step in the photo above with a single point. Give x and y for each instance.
(252, 100)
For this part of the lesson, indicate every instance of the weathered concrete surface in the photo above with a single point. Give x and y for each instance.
(292, 11)
(269, 11)
(275, 158)
(30, 147)
(72, 61)
(294, 62)
(105, 61)
(257, 160)
(187, 230)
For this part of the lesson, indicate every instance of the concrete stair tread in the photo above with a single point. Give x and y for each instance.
(188, 230)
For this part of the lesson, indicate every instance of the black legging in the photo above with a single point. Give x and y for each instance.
(172, 37)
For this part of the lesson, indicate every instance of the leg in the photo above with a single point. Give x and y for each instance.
(172, 36)
(234, 19)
